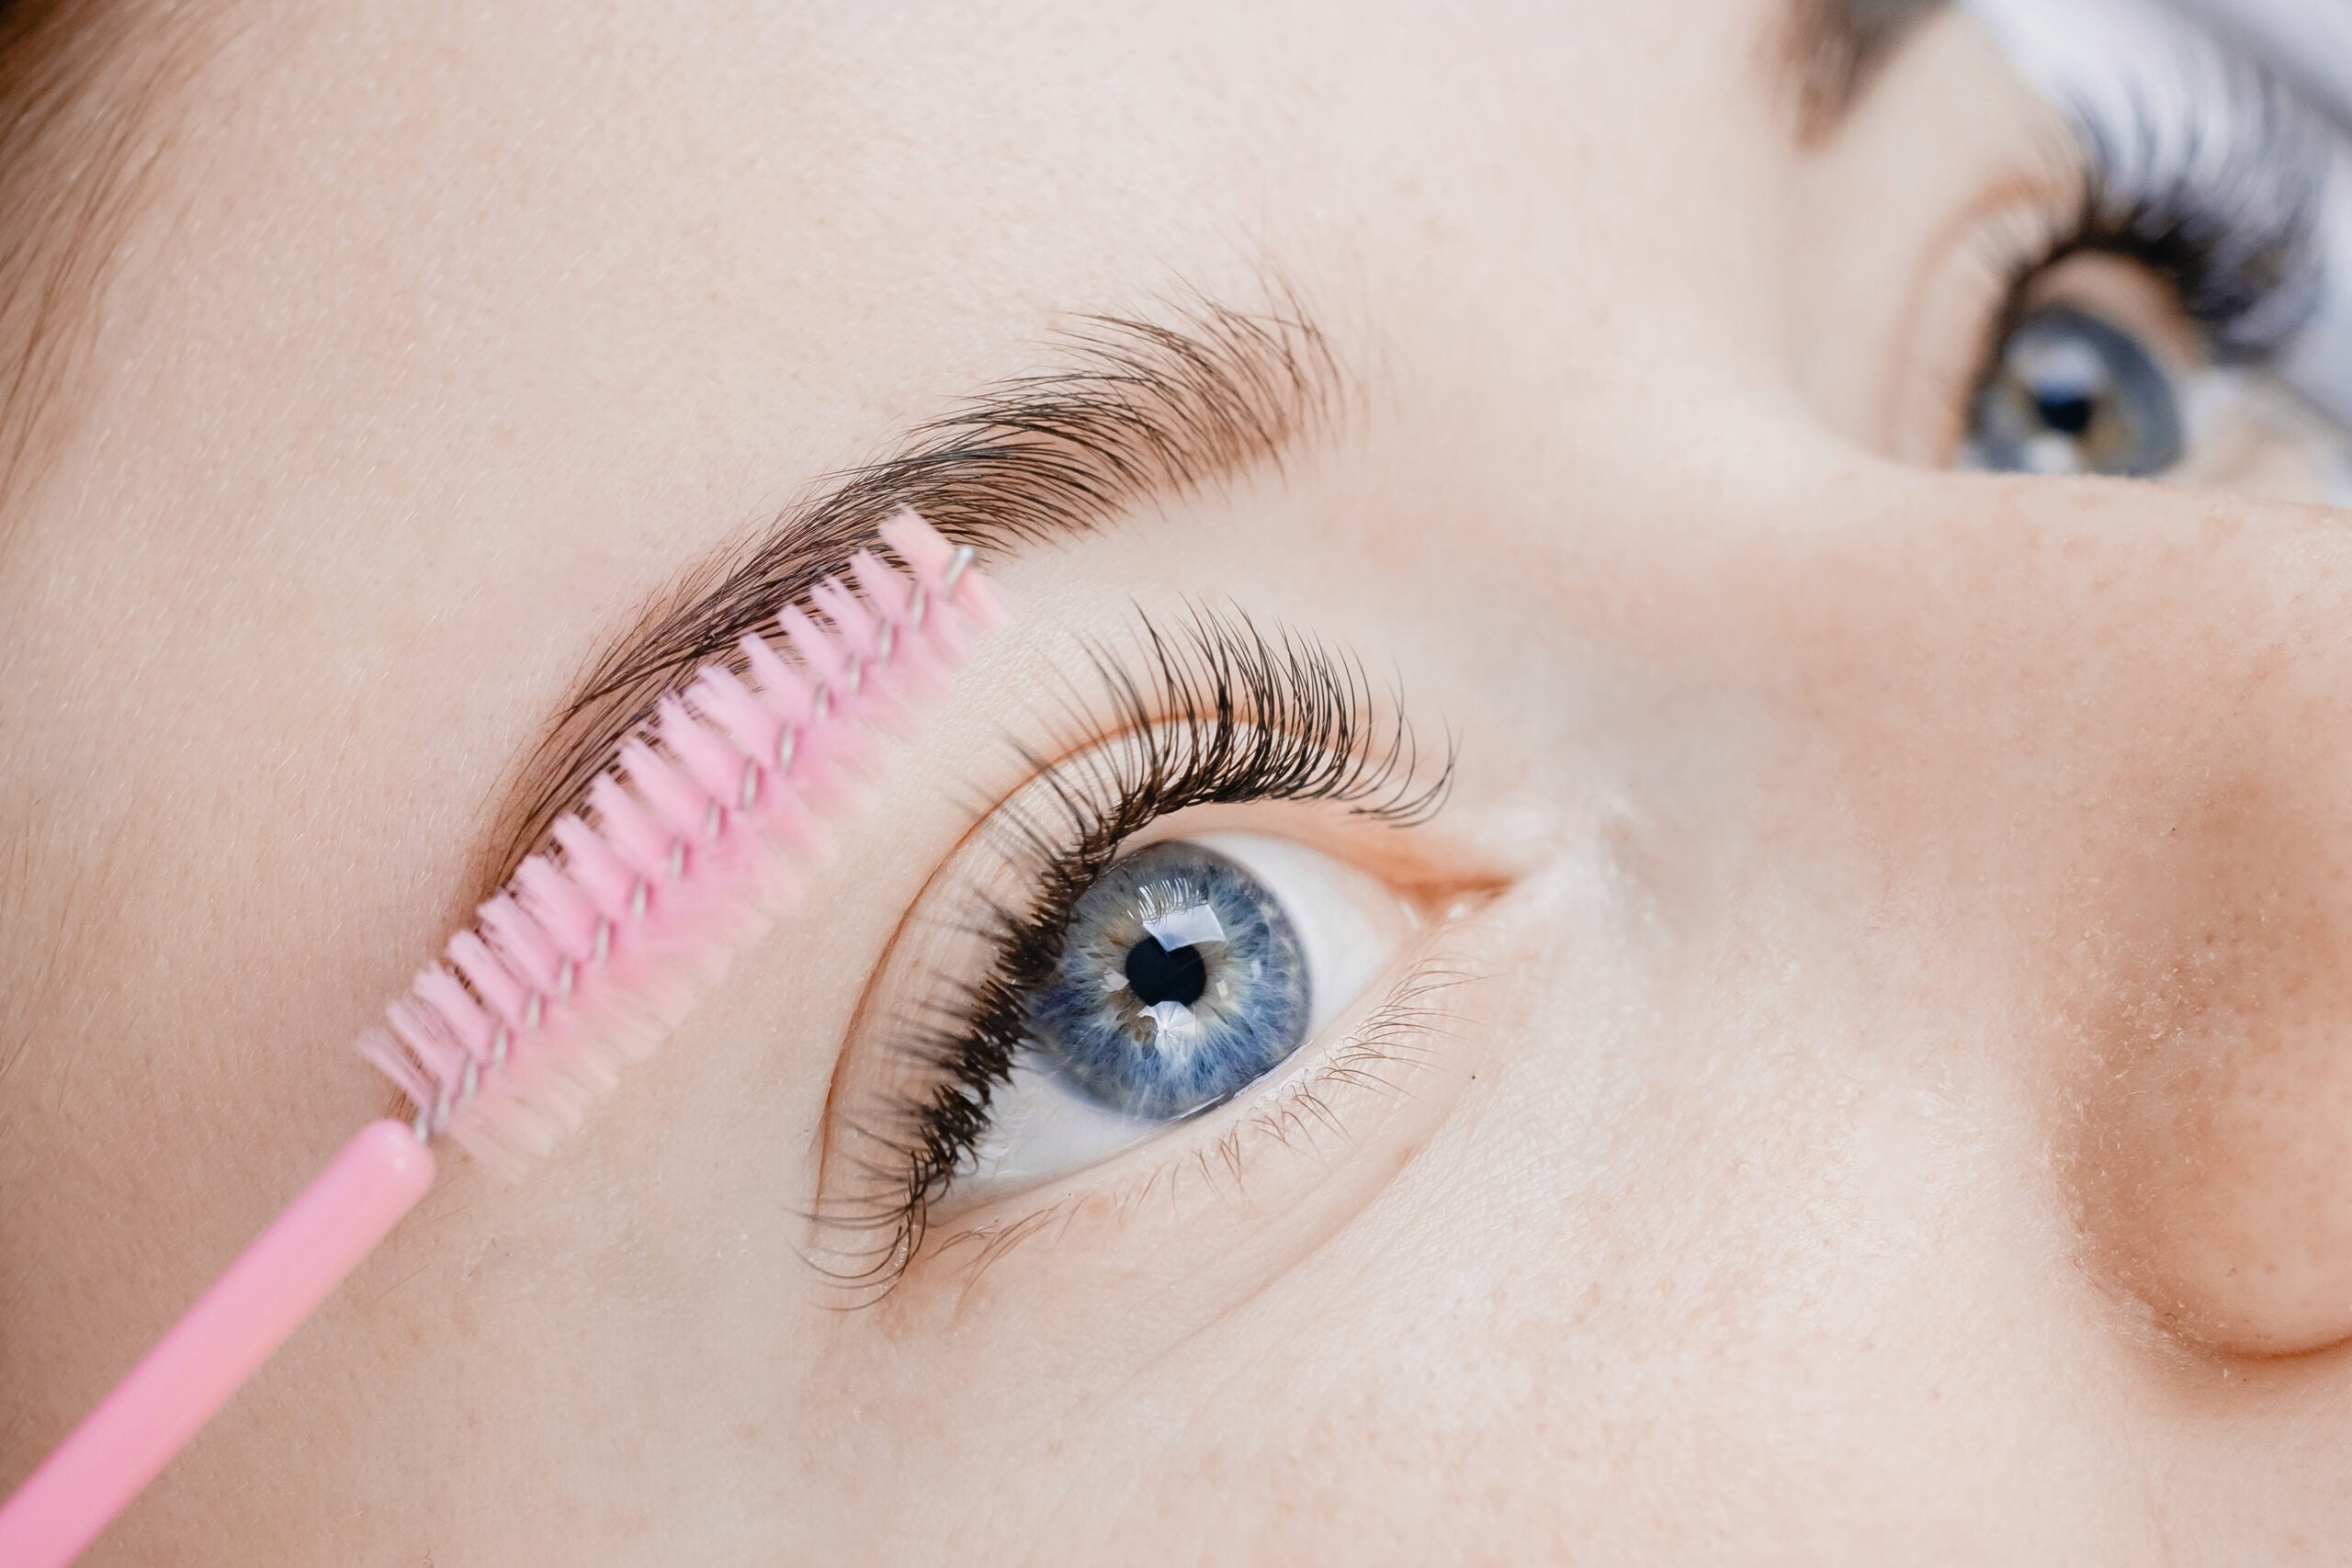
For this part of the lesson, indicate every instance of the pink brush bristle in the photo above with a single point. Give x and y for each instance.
(690, 841)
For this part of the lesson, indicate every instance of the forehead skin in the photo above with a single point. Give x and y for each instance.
(1858, 820)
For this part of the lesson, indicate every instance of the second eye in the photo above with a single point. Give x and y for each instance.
(2071, 394)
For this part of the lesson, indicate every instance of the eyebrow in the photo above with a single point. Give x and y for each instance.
(1833, 49)
(1140, 409)
(90, 100)
(1136, 409)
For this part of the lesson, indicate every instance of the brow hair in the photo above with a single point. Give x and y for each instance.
(1832, 49)
(84, 87)
(1138, 409)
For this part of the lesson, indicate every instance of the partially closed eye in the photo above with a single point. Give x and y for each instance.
(1192, 969)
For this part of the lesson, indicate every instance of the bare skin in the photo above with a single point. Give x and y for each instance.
(1892, 1107)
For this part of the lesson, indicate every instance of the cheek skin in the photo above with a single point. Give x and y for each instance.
(2211, 1143)
(2100, 756)
(2212, 1151)
(1965, 972)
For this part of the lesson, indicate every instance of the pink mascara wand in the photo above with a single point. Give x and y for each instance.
(586, 959)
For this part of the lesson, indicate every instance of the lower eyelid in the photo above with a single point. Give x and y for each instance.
(1380, 1060)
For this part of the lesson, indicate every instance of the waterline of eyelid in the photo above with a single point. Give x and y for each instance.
(1380, 1052)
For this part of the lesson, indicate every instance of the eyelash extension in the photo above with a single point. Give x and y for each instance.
(1214, 711)
(2223, 204)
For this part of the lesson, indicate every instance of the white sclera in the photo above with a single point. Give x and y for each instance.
(1348, 926)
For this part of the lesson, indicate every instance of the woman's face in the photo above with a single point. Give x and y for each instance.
(1852, 1066)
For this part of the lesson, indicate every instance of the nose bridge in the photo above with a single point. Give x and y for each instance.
(2110, 722)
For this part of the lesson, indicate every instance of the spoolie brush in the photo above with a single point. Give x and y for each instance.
(689, 843)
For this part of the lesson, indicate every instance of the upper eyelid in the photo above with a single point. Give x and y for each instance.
(2253, 213)
(1303, 712)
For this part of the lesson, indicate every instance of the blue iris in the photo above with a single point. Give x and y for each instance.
(1181, 982)
(2073, 395)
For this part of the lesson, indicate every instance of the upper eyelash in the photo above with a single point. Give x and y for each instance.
(1214, 710)
(2225, 206)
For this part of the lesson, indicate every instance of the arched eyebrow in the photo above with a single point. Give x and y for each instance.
(1833, 49)
(1138, 409)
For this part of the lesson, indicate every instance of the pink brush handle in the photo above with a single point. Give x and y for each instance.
(191, 1373)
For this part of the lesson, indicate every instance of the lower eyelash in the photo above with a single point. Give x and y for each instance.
(1214, 710)
(1396, 1039)
(1400, 1033)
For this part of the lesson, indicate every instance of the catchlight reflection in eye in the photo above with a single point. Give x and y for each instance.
(2071, 394)
(1192, 969)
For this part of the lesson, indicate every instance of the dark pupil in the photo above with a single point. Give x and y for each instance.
(2071, 394)
(1155, 974)
(2068, 410)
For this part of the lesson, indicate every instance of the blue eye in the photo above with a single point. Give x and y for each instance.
(1190, 973)
(2071, 394)
(1181, 982)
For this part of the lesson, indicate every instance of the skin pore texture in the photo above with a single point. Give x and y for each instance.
(1885, 1098)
